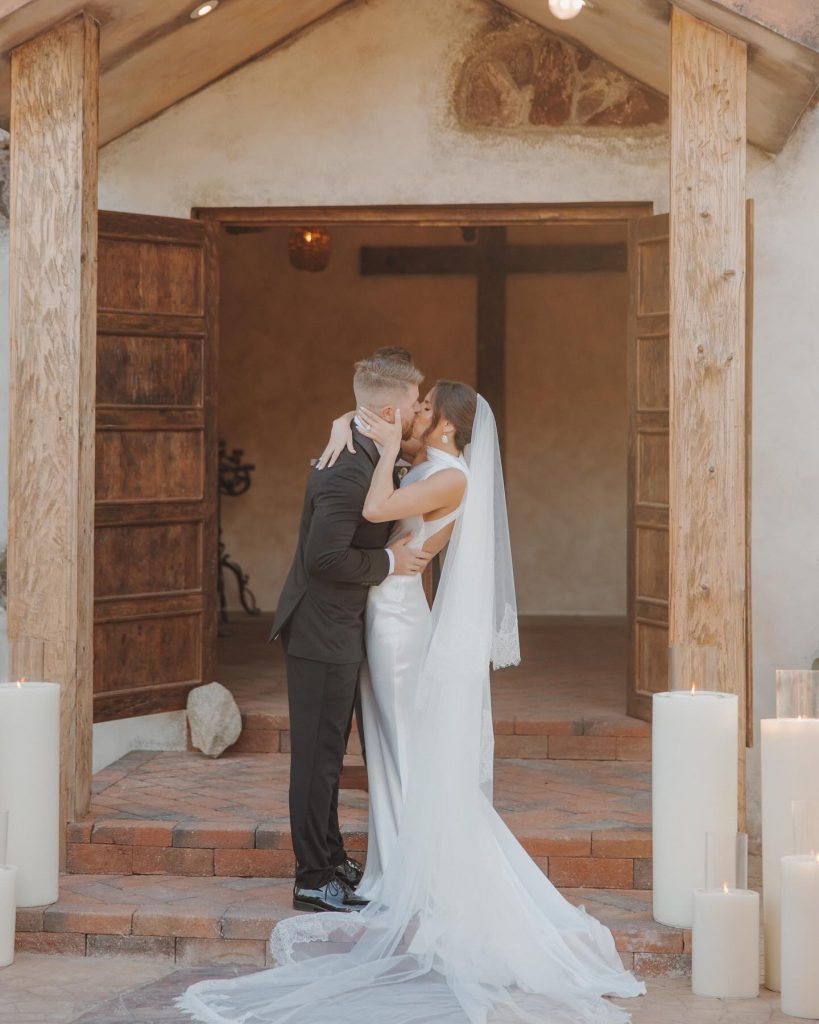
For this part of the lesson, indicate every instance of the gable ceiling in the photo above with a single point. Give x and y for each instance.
(153, 54)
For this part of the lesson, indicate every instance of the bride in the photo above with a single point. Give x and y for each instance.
(462, 926)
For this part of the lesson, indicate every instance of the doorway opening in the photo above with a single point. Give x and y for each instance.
(528, 304)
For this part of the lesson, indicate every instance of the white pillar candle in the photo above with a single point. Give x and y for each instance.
(8, 913)
(725, 943)
(694, 791)
(30, 786)
(800, 936)
(790, 770)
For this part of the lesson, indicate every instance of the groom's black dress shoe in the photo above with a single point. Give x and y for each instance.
(350, 872)
(334, 895)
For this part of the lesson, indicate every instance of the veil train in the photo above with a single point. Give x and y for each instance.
(473, 932)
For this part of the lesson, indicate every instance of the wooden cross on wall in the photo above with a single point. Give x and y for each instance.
(491, 259)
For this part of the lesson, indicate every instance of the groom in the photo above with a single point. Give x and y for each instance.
(320, 618)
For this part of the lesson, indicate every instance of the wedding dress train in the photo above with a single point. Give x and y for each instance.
(463, 928)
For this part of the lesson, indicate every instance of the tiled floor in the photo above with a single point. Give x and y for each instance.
(565, 672)
(78, 990)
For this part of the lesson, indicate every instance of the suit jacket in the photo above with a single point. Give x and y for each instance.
(339, 556)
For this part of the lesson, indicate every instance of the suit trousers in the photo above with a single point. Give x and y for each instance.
(321, 697)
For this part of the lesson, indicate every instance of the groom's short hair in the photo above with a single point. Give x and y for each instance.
(378, 380)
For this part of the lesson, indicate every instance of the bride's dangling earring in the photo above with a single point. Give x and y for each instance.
(444, 438)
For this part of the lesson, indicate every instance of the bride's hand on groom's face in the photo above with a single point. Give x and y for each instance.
(388, 435)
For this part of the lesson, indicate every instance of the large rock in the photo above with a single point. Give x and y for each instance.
(214, 718)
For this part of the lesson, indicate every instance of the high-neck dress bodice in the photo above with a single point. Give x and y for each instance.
(420, 528)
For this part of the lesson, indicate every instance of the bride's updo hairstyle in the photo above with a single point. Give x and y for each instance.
(456, 402)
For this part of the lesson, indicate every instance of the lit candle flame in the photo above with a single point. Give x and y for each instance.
(725, 887)
(693, 687)
(20, 682)
(308, 236)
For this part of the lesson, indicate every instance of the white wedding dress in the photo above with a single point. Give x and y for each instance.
(462, 927)
(397, 634)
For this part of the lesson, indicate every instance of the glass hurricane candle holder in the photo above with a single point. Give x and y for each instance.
(790, 767)
(797, 693)
(693, 667)
(726, 860)
(691, 795)
(805, 815)
(800, 914)
(725, 933)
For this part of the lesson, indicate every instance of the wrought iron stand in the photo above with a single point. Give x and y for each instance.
(234, 480)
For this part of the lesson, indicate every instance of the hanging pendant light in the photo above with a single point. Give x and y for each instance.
(310, 248)
(566, 9)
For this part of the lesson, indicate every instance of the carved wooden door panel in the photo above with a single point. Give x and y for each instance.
(155, 543)
(648, 461)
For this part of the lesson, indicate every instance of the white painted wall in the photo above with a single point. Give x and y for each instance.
(357, 111)
(4, 419)
(112, 740)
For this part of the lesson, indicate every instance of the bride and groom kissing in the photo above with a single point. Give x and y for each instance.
(451, 921)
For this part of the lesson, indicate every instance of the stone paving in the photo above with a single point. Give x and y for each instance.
(74, 990)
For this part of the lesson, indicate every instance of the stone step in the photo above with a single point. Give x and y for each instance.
(586, 823)
(609, 738)
(224, 920)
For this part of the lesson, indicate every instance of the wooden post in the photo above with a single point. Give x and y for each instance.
(708, 357)
(55, 83)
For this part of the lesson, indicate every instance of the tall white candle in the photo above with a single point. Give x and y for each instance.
(800, 936)
(790, 770)
(8, 913)
(30, 786)
(725, 943)
(694, 791)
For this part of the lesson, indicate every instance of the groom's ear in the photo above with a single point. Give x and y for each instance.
(387, 413)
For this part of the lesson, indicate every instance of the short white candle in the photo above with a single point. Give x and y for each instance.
(790, 769)
(8, 913)
(800, 936)
(694, 791)
(30, 786)
(725, 943)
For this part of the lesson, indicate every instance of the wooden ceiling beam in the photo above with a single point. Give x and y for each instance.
(512, 259)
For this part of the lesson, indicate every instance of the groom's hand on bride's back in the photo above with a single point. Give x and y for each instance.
(407, 561)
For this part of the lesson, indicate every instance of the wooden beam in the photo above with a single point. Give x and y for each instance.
(491, 325)
(55, 81)
(708, 349)
(515, 259)
(428, 216)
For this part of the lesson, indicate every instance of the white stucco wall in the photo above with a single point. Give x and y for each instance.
(357, 112)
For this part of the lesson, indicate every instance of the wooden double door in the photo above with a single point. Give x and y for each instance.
(156, 463)
(649, 401)
(155, 542)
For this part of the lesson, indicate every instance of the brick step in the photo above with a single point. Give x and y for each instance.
(602, 858)
(611, 738)
(197, 921)
(168, 813)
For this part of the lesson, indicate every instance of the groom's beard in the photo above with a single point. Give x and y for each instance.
(406, 433)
